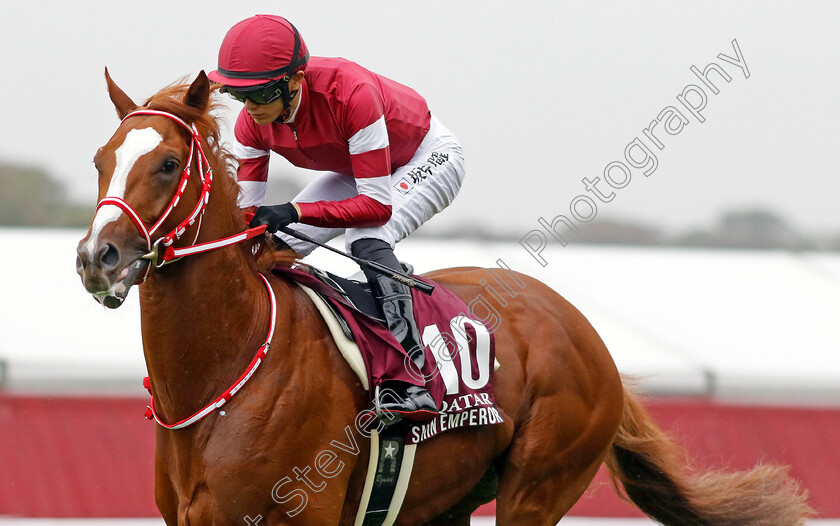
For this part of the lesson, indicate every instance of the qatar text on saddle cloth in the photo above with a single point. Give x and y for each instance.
(460, 356)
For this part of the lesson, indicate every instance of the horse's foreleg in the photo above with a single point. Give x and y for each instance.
(166, 498)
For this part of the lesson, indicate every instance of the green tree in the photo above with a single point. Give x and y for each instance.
(30, 197)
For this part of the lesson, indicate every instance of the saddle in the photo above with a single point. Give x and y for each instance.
(355, 292)
(462, 388)
(460, 350)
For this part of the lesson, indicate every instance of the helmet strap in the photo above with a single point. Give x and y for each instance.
(287, 97)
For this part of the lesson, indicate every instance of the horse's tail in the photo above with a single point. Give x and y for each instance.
(656, 477)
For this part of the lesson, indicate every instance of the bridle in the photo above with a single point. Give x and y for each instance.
(171, 253)
(205, 173)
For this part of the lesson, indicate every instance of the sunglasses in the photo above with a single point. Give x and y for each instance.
(260, 94)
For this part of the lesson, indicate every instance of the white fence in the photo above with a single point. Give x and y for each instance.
(758, 325)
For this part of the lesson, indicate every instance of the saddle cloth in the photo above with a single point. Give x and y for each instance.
(460, 363)
(460, 353)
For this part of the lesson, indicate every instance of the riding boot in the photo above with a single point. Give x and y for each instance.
(400, 399)
(396, 399)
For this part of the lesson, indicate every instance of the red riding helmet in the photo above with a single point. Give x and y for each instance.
(260, 49)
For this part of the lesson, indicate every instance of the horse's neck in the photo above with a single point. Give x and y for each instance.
(203, 319)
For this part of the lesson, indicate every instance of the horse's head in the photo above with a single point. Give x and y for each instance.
(140, 169)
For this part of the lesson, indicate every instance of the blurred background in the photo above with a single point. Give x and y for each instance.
(713, 278)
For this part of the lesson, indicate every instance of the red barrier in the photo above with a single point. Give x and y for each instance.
(94, 457)
(76, 457)
(738, 437)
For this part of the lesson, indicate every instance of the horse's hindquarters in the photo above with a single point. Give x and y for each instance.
(557, 386)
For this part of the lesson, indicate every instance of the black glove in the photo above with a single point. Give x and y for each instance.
(275, 216)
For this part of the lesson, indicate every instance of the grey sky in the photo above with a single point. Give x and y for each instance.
(542, 94)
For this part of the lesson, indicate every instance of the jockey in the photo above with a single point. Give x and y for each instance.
(388, 165)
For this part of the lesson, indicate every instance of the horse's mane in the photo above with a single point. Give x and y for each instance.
(171, 99)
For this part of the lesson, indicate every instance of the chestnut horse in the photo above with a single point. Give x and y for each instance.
(272, 455)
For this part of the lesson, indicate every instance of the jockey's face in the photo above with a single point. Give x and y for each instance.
(268, 113)
(264, 113)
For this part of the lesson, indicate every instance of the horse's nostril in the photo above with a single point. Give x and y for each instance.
(109, 256)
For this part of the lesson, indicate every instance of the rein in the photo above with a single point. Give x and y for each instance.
(170, 253)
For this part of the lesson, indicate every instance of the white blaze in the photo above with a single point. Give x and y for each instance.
(137, 143)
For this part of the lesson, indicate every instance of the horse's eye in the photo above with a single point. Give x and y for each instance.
(170, 166)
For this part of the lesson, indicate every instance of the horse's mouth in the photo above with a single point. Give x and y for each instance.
(115, 295)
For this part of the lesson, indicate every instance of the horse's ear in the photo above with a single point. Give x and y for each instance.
(198, 96)
(122, 102)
